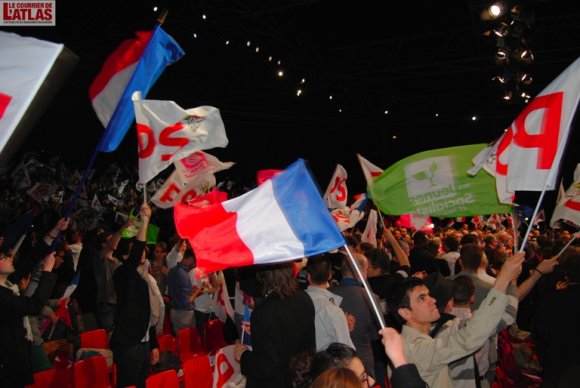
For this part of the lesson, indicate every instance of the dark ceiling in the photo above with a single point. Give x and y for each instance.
(426, 63)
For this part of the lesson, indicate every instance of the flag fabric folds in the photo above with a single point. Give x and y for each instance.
(25, 63)
(527, 156)
(336, 193)
(193, 177)
(281, 220)
(568, 207)
(436, 183)
(135, 65)
(370, 233)
(370, 171)
(166, 133)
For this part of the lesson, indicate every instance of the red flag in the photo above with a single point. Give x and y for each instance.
(263, 175)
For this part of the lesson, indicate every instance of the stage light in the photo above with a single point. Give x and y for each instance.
(280, 73)
(204, 16)
(248, 43)
(227, 42)
(386, 112)
(155, 9)
(526, 79)
(302, 81)
(502, 30)
(473, 118)
(436, 114)
(270, 58)
(330, 97)
(257, 49)
(299, 92)
(507, 95)
(495, 10)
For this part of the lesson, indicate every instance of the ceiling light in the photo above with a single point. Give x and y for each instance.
(280, 73)
(526, 79)
(298, 92)
(507, 95)
(495, 10)
(436, 114)
(279, 62)
(204, 16)
(395, 137)
(248, 43)
(270, 58)
(258, 49)
(473, 118)
(302, 81)
(155, 9)
(330, 97)
(227, 42)
(386, 112)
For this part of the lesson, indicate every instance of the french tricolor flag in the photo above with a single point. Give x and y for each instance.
(134, 66)
(281, 220)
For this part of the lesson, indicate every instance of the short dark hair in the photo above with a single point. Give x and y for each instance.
(336, 355)
(464, 289)
(420, 239)
(572, 267)
(399, 297)
(452, 243)
(469, 239)
(319, 269)
(379, 258)
(471, 256)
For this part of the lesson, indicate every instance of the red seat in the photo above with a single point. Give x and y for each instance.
(44, 379)
(166, 379)
(197, 372)
(167, 342)
(92, 372)
(95, 339)
(214, 335)
(188, 343)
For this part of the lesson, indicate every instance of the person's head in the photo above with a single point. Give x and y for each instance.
(338, 355)
(348, 271)
(189, 258)
(434, 246)
(464, 294)
(160, 251)
(490, 241)
(451, 243)
(420, 240)
(411, 304)
(337, 378)
(6, 264)
(277, 279)
(319, 270)
(379, 262)
(469, 239)
(572, 266)
(442, 290)
(471, 256)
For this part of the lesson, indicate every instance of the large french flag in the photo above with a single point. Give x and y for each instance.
(281, 220)
(134, 66)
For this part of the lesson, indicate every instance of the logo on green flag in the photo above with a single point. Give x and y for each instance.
(436, 183)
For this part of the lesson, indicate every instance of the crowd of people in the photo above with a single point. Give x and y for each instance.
(445, 296)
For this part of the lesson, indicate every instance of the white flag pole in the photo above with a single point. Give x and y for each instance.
(567, 245)
(366, 288)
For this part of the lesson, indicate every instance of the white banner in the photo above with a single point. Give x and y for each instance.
(24, 64)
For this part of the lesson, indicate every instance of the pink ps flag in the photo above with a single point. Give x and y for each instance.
(166, 133)
(568, 207)
(135, 65)
(283, 219)
(336, 192)
(527, 157)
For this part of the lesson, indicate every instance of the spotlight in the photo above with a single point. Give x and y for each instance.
(386, 112)
(507, 95)
(495, 10)
(279, 62)
(248, 43)
(257, 49)
(227, 42)
(473, 118)
(394, 137)
(155, 9)
(280, 73)
(330, 97)
(302, 81)
(204, 16)
(299, 92)
(502, 54)
(501, 79)
(502, 30)
(527, 56)
(270, 58)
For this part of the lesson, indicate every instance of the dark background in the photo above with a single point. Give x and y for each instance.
(427, 63)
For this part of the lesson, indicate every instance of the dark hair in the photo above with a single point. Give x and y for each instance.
(420, 239)
(452, 243)
(489, 239)
(337, 378)
(378, 258)
(433, 247)
(188, 253)
(572, 267)
(399, 297)
(336, 355)
(471, 256)
(319, 269)
(464, 289)
(469, 239)
(278, 279)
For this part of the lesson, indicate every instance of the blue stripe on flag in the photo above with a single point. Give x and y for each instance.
(300, 200)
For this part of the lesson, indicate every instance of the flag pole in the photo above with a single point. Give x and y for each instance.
(366, 287)
(536, 210)
(515, 228)
(567, 245)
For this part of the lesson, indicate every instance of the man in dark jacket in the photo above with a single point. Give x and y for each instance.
(15, 329)
(133, 335)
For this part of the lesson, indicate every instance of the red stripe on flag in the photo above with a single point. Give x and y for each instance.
(128, 53)
(215, 224)
(571, 204)
(4, 102)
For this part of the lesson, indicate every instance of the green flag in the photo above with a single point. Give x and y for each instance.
(436, 183)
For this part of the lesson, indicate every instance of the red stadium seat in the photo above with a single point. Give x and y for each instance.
(214, 335)
(95, 339)
(166, 379)
(44, 379)
(188, 343)
(197, 372)
(92, 372)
